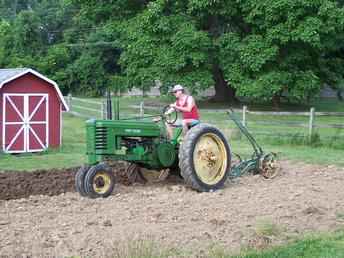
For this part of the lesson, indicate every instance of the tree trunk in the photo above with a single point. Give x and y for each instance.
(339, 95)
(223, 91)
(276, 100)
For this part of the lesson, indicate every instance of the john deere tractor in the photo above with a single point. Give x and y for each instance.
(202, 156)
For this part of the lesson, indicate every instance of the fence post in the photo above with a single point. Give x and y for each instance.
(69, 100)
(244, 109)
(142, 111)
(311, 123)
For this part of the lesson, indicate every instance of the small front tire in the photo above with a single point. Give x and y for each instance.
(99, 181)
(80, 178)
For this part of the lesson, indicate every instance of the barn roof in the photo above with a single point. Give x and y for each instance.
(7, 75)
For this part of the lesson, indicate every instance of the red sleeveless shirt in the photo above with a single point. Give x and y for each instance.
(193, 114)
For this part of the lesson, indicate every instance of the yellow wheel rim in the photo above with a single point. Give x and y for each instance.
(101, 182)
(210, 158)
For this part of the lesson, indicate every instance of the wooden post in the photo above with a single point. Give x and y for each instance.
(311, 123)
(69, 100)
(142, 111)
(244, 109)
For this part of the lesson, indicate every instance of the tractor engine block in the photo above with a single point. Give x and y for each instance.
(142, 142)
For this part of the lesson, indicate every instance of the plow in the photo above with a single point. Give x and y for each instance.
(202, 157)
(260, 162)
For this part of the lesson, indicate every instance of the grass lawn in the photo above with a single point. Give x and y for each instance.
(260, 125)
(316, 246)
(323, 246)
(303, 153)
(321, 105)
(72, 152)
(328, 151)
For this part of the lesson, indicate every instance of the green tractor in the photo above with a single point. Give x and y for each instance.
(202, 157)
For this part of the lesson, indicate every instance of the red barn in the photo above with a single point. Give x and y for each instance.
(31, 109)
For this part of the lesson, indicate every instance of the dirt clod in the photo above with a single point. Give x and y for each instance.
(16, 185)
(107, 223)
(312, 210)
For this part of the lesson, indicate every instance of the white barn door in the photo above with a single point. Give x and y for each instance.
(25, 123)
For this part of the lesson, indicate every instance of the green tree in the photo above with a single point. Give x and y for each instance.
(261, 50)
(27, 34)
(95, 63)
(5, 42)
(94, 38)
(54, 64)
(285, 49)
(9, 9)
(35, 37)
(176, 41)
(21, 41)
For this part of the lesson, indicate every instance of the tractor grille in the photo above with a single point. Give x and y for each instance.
(101, 138)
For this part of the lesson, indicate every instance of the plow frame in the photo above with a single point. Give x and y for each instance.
(259, 163)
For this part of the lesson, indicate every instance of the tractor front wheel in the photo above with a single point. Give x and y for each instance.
(205, 158)
(99, 181)
(80, 178)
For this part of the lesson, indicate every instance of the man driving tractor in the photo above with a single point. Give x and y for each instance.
(203, 158)
(187, 106)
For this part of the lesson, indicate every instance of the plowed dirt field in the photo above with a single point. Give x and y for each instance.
(41, 215)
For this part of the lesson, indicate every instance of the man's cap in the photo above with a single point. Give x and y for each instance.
(177, 87)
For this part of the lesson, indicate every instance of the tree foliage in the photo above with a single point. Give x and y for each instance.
(286, 49)
(262, 50)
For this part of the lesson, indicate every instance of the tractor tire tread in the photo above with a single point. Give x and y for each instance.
(79, 180)
(89, 181)
(185, 158)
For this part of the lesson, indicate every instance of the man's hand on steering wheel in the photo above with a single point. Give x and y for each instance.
(170, 114)
(169, 111)
(174, 106)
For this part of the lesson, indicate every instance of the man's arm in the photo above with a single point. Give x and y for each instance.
(189, 105)
(170, 110)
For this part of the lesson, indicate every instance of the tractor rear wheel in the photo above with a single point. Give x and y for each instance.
(79, 180)
(99, 181)
(205, 158)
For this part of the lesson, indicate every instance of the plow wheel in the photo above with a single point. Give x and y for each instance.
(204, 158)
(135, 175)
(79, 180)
(269, 167)
(99, 181)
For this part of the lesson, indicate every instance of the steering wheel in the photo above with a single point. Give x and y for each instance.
(169, 114)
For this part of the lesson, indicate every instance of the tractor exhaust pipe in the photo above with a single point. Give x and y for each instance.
(108, 106)
(112, 110)
(116, 108)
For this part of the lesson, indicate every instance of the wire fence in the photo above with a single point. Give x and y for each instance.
(296, 126)
(97, 108)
